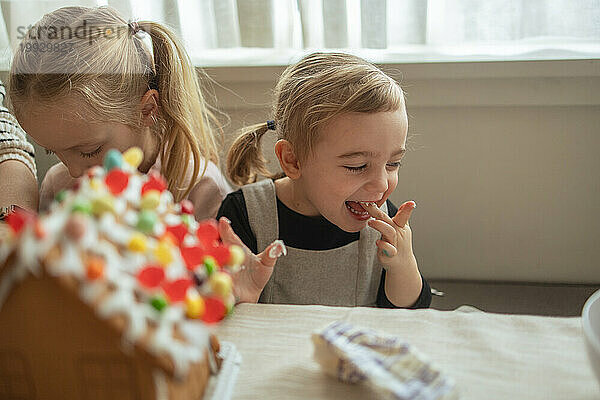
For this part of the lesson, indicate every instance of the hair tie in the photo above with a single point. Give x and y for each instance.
(271, 125)
(134, 27)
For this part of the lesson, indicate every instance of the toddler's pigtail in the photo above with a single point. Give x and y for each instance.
(245, 159)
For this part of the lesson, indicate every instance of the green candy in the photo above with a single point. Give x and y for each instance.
(60, 196)
(186, 219)
(113, 159)
(210, 264)
(83, 207)
(159, 303)
(146, 221)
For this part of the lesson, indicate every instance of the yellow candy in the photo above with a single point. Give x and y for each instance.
(237, 255)
(194, 304)
(137, 242)
(163, 254)
(95, 184)
(221, 284)
(150, 200)
(133, 156)
(103, 204)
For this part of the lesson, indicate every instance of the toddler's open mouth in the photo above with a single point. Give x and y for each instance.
(357, 210)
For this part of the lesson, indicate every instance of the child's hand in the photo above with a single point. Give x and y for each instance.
(249, 282)
(395, 245)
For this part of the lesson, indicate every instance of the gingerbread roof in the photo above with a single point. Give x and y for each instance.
(140, 261)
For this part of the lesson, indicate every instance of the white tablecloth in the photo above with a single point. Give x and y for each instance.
(490, 356)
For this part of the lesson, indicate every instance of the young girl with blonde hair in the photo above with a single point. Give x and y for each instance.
(341, 126)
(84, 80)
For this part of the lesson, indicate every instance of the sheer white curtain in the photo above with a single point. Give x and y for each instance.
(250, 32)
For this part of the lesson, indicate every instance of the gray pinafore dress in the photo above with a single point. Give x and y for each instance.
(344, 276)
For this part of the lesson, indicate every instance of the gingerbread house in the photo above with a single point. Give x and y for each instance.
(111, 295)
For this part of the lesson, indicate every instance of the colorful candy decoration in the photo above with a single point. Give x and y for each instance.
(103, 204)
(60, 196)
(94, 268)
(178, 231)
(112, 159)
(194, 304)
(220, 253)
(151, 276)
(116, 181)
(133, 156)
(155, 182)
(150, 199)
(18, 219)
(187, 220)
(163, 252)
(237, 255)
(177, 289)
(221, 283)
(208, 233)
(215, 310)
(146, 221)
(192, 256)
(187, 207)
(158, 302)
(39, 230)
(75, 227)
(173, 260)
(82, 206)
(210, 265)
(95, 184)
(137, 243)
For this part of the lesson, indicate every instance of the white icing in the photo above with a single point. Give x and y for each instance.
(90, 291)
(172, 219)
(120, 205)
(159, 229)
(190, 240)
(163, 342)
(277, 249)
(161, 389)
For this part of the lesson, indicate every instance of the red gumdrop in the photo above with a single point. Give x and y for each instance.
(155, 182)
(208, 232)
(178, 232)
(19, 218)
(187, 207)
(215, 310)
(175, 290)
(151, 276)
(116, 181)
(192, 256)
(221, 254)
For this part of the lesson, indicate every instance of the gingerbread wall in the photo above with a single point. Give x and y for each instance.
(53, 347)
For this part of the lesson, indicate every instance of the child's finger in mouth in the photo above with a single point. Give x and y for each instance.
(375, 212)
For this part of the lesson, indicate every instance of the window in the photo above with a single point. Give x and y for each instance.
(274, 32)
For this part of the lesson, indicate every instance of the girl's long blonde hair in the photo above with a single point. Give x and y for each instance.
(95, 54)
(308, 95)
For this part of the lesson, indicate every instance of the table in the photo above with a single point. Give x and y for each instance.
(490, 356)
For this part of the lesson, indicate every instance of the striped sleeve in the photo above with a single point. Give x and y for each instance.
(13, 141)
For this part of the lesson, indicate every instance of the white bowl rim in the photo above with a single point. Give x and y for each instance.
(585, 320)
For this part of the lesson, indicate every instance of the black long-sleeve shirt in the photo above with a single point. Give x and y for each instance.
(308, 233)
